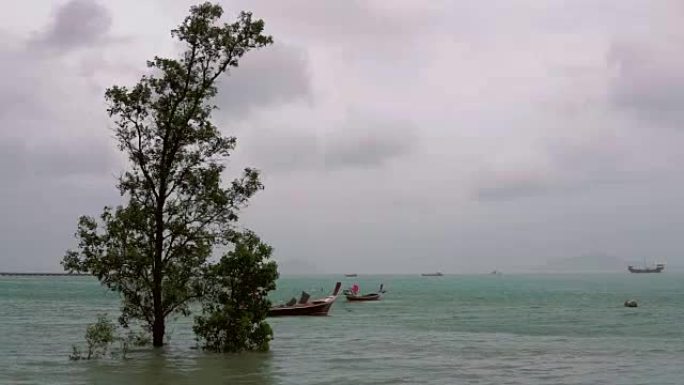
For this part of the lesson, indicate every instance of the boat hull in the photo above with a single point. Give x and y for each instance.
(636, 270)
(319, 307)
(314, 309)
(359, 298)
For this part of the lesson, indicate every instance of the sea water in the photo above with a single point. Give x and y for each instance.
(489, 329)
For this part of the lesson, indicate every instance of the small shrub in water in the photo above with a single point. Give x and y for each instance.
(75, 353)
(99, 336)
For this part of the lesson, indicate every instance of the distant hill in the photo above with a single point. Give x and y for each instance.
(586, 264)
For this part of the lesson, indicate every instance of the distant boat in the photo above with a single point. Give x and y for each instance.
(366, 297)
(437, 274)
(351, 275)
(495, 272)
(657, 269)
(319, 306)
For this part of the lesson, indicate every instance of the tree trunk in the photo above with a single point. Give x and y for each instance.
(158, 326)
(158, 272)
(158, 331)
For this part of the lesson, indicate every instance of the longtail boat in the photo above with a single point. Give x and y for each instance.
(320, 306)
(366, 297)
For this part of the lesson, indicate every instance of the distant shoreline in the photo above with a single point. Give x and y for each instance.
(369, 275)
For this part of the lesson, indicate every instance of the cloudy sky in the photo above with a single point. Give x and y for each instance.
(394, 136)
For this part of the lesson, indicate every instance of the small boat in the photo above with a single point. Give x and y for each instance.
(320, 306)
(351, 275)
(366, 297)
(437, 274)
(657, 269)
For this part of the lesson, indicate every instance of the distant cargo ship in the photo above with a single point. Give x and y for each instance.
(657, 269)
(437, 274)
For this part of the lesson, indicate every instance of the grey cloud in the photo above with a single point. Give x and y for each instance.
(55, 158)
(83, 157)
(41, 215)
(571, 168)
(385, 39)
(276, 151)
(21, 159)
(76, 24)
(20, 93)
(356, 142)
(278, 74)
(369, 143)
(345, 21)
(505, 187)
(330, 172)
(35, 122)
(13, 158)
(501, 186)
(648, 79)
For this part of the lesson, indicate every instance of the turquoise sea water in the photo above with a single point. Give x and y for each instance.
(510, 329)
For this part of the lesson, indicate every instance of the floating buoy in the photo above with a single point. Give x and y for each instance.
(631, 303)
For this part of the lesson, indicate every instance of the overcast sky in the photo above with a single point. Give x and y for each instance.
(394, 136)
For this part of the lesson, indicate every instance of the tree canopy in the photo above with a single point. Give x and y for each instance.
(155, 249)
